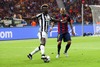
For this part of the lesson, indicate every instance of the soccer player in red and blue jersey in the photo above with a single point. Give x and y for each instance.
(63, 33)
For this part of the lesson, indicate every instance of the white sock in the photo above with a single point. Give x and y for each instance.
(42, 48)
(35, 51)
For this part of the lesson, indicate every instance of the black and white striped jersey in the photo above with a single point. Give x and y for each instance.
(44, 20)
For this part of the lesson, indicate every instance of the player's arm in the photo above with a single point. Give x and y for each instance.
(71, 26)
(34, 17)
(64, 20)
(31, 18)
(60, 20)
(52, 25)
(53, 20)
(56, 20)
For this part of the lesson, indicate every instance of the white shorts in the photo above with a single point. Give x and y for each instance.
(42, 35)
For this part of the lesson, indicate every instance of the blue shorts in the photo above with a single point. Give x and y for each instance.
(65, 36)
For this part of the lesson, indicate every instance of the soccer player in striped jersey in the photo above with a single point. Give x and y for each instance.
(63, 33)
(43, 19)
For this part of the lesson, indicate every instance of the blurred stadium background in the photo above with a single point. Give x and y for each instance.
(16, 14)
(15, 25)
(28, 8)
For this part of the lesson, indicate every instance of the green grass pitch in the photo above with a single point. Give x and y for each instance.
(84, 52)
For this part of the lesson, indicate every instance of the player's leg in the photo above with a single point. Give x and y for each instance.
(67, 47)
(58, 49)
(68, 40)
(36, 49)
(42, 44)
(59, 39)
(33, 52)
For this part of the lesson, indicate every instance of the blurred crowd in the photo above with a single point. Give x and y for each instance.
(27, 8)
(74, 8)
(23, 8)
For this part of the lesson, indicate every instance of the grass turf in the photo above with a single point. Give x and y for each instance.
(84, 52)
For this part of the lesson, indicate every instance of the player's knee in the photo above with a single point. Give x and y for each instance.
(69, 42)
(43, 41)
(42, 44)
(59, 43)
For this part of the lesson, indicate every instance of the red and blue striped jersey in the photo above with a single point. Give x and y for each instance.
(63, 26)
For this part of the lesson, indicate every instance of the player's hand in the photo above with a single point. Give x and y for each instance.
(50, 29)
(73, 33)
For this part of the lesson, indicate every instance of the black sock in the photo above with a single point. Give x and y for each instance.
(59, 47)
(43, 55)
(67, 47)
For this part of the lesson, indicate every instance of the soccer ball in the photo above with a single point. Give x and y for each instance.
(47, 59)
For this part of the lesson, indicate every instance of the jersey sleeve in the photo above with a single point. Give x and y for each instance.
(38, 15)
(51, 19)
